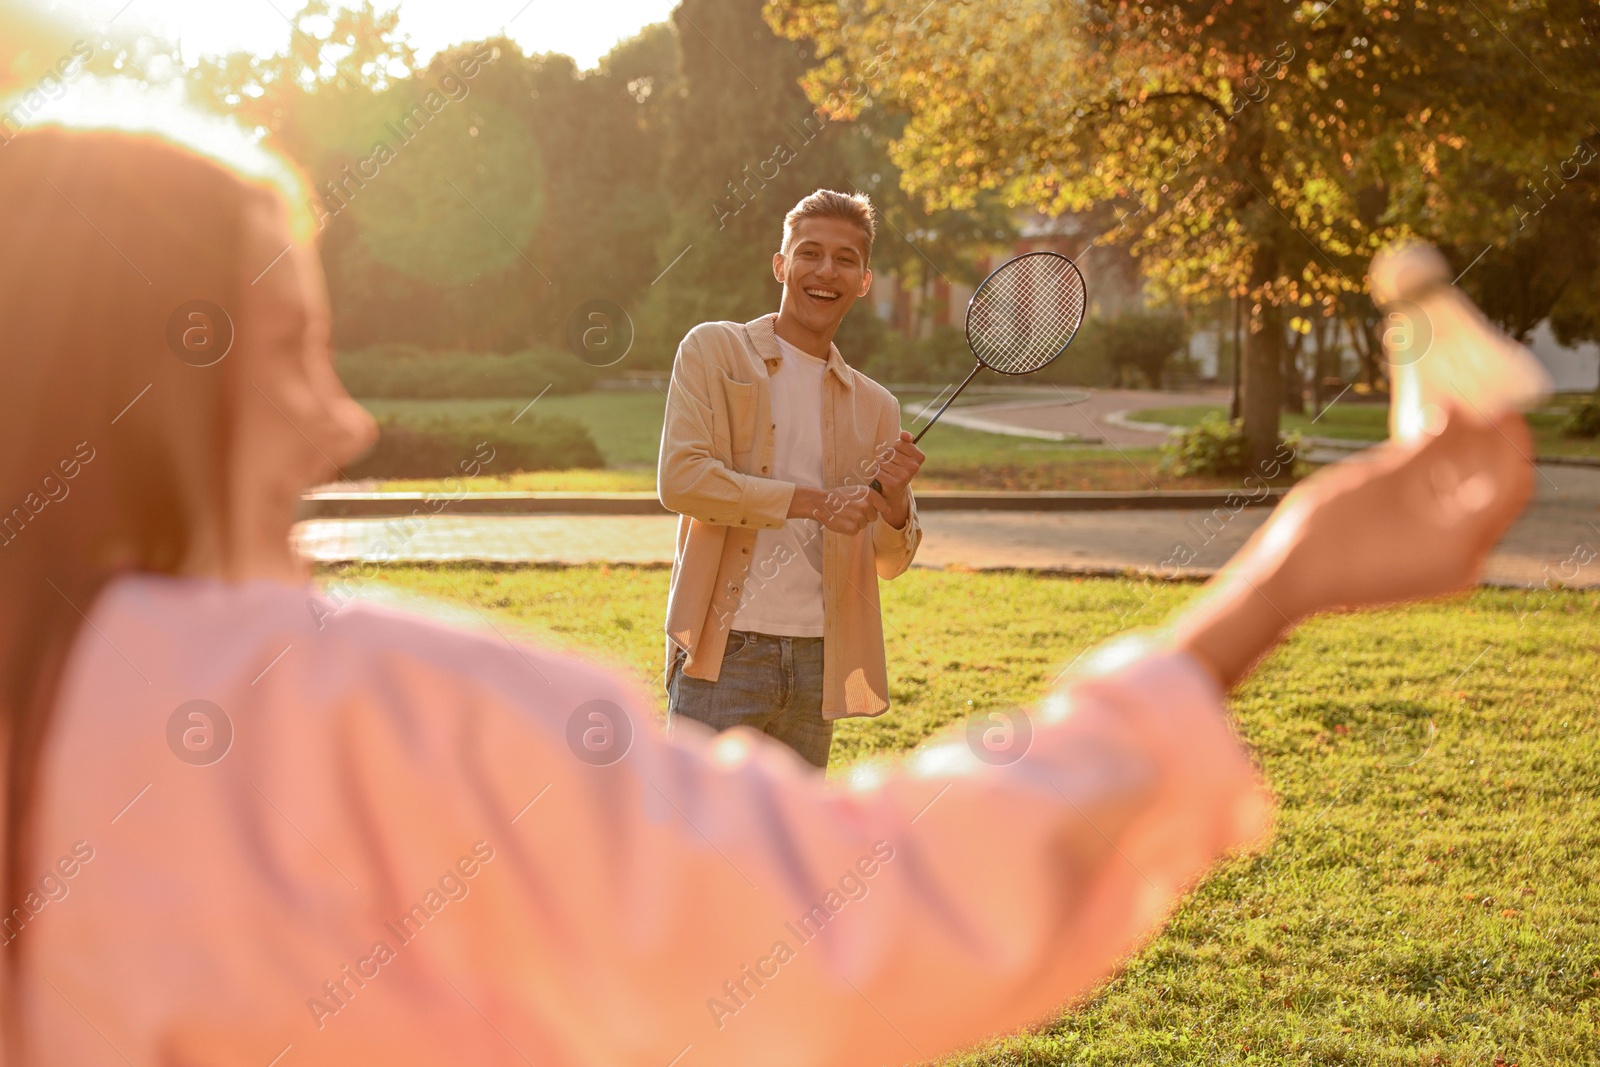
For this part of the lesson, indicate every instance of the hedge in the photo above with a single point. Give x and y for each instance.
(409, 372)
(455, 448)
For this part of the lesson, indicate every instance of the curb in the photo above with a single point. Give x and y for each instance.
(426, 505)
(423, 505)
(1151, 574)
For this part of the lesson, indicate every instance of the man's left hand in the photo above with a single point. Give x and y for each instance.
(899, 464)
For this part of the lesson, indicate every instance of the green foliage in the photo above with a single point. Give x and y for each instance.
(419, 217)
(861, 335)
(940, 358)
(523, 188)
(1257, 146)
(1354, 421)
(1145, 341)
(624, 423)
(479, 201)
(1583, 420)
(455, 448)
(1086, 362)
(401, 371)
(744, 144)
(1134, 348)
(1215, 446)
(1139, 343)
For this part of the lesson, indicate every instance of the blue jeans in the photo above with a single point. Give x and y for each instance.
(772, 684)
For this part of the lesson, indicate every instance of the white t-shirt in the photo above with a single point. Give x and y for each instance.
(782, 594)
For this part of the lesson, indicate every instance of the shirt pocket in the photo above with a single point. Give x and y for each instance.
(734, 421)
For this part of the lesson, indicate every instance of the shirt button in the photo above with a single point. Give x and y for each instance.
(763, 470)
(746, 551)
(744, 522)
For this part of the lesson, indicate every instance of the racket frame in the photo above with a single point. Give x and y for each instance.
(978, 363)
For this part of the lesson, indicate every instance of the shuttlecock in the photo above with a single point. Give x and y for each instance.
(1441, 348)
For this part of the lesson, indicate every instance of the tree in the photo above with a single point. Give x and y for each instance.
(745, 144)
(1257, 146)
(474, 203)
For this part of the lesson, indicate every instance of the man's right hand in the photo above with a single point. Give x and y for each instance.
(848, 509)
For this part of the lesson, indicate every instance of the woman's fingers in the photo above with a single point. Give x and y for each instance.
(1407, 520)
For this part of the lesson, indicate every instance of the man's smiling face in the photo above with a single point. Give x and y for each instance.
(823, 273)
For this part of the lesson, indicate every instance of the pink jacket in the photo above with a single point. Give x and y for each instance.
(402, 843)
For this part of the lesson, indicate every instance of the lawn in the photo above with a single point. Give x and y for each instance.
(1370, 422)
(626, 425)
(1432, 896)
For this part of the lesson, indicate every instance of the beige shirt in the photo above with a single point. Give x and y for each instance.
(716, 471)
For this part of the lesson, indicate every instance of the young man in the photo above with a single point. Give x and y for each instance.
(770, 443)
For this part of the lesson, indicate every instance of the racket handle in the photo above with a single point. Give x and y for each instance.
(946, 406)
(877, 486)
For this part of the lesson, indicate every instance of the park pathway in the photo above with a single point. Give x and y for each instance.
(1558, 537)
(1084, 413)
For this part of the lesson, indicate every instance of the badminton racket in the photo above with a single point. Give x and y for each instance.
(1022, 316)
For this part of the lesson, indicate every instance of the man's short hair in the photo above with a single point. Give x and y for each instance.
(827, 204)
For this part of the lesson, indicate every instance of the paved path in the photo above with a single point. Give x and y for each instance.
(1564, 517)
(1085, 412)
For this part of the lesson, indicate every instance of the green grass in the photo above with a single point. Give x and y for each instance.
(1432, 896)
(1370, 422)
(626, 425)
(1355, 422)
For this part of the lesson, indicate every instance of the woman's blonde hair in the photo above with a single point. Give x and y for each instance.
(114, 447)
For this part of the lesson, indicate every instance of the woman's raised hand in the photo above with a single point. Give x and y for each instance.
(1406, 521)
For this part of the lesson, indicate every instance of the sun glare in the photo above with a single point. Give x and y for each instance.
(205, 27)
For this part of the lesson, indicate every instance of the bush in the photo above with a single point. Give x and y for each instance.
(862, 336)
(1215, 446)
(443, 449)
(1130, 349)
(407, 372)
(1086, 362)
(1144, 342)
(1583, 420)
(942, 356)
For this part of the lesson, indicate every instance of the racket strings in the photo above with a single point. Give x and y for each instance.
(1025, 314)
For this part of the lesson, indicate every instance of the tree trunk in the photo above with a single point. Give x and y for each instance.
(1238, 360)
(1263, 364)
(1324, 347)
(1294, 378)
(1367, 349)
